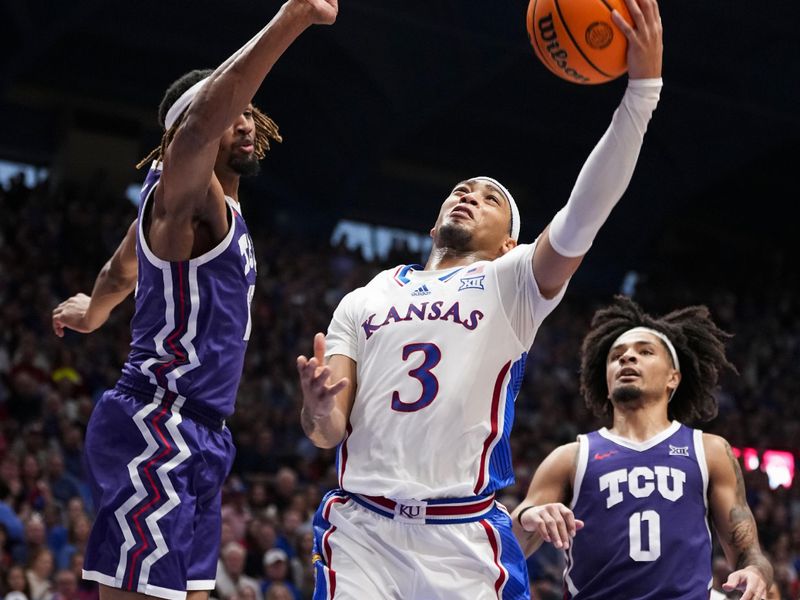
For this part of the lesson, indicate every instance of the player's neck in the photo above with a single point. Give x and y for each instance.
(447, 258)
(640, 423)
(229, 183)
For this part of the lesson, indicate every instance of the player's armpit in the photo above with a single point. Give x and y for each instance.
(730, 512)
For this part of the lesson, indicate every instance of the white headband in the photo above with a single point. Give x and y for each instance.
(511, 202)
(182, 103)
(660, 336)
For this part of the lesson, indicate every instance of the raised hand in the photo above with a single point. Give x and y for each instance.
(554, 522)
(318, 396)
(645, 38)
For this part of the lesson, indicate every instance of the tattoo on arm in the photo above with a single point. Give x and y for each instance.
(743, 531)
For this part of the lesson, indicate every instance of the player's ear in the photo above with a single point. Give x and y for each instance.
(507, 246)
(674, 379)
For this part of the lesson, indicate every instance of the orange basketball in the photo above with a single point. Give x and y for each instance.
(577, 40)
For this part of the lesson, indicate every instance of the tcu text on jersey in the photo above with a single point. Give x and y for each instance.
(641, 482)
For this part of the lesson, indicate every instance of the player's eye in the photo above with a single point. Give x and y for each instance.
(493, 199)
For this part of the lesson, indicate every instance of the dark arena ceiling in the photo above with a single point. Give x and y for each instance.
(385, 110)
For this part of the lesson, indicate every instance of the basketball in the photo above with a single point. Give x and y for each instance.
(577, 39)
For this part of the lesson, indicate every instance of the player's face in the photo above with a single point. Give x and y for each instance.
(639, 367)
(237, 146)
(475, 216)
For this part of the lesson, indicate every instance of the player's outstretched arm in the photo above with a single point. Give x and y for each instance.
(734, 522)
(608, 170)
(326, 406)
(190, 157)
(542, 516)
(115, 281)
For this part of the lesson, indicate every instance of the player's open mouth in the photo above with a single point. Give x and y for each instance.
(463, 211)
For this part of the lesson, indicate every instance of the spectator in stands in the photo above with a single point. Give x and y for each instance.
(230, 573)
(261, 536)
(77, 539)
(277, 569)
(235, 510)
(15, 586)
(35, 539)
(279, 591)
(40, 573)
(66, 586)
(87, 589)
(72, 449)
(62, 484)
(11, 523)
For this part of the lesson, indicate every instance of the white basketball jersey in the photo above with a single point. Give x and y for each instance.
(440, 358)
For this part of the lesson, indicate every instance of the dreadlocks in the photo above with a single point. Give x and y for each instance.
(699, 343)
(266, 128)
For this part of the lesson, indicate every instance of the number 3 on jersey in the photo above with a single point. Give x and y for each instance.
(430, 385)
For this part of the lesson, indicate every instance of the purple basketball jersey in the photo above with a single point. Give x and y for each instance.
(192, 319)
(644, 505)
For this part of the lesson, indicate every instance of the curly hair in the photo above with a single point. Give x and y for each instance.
(699, 344)
(266, 128)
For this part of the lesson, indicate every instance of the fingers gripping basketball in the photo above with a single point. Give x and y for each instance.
(578, 40)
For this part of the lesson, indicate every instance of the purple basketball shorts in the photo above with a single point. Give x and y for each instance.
(156, 476)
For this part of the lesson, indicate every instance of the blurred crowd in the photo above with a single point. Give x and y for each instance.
(53, 241)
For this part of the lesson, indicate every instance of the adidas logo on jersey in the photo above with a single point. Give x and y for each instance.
(421, 291)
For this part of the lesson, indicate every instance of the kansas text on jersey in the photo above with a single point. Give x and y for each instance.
(440, 357)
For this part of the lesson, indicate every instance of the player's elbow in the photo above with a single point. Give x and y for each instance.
(119, 278)
(325, 442)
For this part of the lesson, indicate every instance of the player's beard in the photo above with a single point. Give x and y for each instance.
(626, 394)
(454, 237)
(246, 166)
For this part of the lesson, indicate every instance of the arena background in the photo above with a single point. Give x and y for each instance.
(381, 114)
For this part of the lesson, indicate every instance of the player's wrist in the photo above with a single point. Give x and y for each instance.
(90, 321)
(645, 82)
(314, 414)
(305, 13)
(299, 12)
(522, 512)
